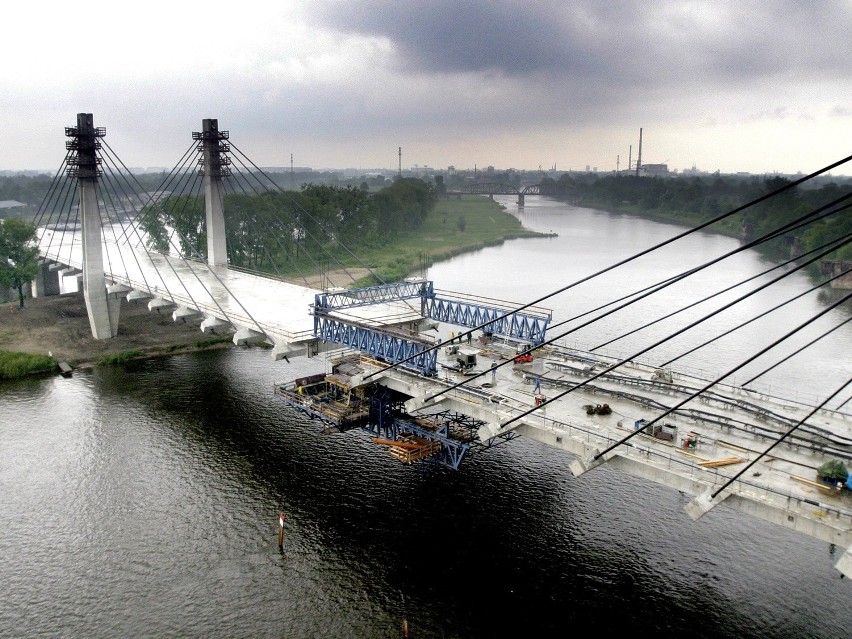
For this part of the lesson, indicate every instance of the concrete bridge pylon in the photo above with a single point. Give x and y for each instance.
(103, 308)
(214, 167)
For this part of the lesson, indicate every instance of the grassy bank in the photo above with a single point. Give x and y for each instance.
(13, 364)
(455, 226)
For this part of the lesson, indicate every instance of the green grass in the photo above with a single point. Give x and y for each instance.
(14, 364)
(453, 227)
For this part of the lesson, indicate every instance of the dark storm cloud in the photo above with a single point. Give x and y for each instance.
(625, 41)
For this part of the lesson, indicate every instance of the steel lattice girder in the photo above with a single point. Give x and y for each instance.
(331, 301)
(390, 348)
(522, 326)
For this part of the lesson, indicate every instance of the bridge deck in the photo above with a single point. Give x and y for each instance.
(279, 309)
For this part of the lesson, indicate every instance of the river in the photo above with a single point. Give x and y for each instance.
(142, 500)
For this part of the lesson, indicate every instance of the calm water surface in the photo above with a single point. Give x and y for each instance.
(141, 501)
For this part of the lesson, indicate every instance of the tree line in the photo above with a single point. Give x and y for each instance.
(293, 232)
(697, 199)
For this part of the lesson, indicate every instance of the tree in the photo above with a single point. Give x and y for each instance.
(18, 255)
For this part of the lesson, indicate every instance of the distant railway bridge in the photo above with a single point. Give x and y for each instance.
(496, 188)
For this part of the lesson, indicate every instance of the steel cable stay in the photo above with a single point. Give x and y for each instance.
(780, 439)
(141, 242)
(109, 202)
(663, 283)
(269, 230)
(188, 265)
(657, 286)
(117, 184)
(623, 361)
(71, 195)
(164, 184)
(682, 276)
(796, 352)
(296, 205)
(760, 315)
(716, 294)
(730, 372)
(115, 159)
(57, 185)
(189, 191)
(65, 192)
(62, 212)
(635, 256)
(320, 225)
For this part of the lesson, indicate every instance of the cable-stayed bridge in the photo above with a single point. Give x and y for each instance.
(508, 373)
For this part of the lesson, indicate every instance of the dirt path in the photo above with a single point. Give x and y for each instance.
(59, 324)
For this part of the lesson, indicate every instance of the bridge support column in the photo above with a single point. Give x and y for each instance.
(520, 199)
(215, 166)
(103, 309)
(46, 281)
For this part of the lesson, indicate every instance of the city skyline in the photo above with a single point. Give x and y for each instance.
(760, 88)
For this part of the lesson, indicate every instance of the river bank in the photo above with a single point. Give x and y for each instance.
(58, 325)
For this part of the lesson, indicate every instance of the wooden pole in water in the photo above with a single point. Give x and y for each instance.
(281, 520)
(405, 628)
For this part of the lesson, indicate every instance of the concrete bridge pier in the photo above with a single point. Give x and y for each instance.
(103, 309)
(520, 199)
(46, 281)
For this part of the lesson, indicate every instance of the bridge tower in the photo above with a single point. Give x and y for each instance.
(84, 164)
(214, 166)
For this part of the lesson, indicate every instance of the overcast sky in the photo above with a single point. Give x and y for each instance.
(757, 86)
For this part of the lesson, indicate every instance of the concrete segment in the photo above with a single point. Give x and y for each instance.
(844, 564)
(702, 504)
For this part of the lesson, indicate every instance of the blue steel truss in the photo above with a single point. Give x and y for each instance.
(521, 326)
(528, 327)
(352, 298)
(383, 346)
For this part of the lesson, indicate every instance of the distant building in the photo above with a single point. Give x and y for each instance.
(11, 208)
(655, 170)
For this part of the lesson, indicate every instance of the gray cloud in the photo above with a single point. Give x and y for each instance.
(633, 42)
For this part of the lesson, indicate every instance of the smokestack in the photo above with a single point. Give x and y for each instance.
(639, 157)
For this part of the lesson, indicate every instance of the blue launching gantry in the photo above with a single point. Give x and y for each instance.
(494, 317)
